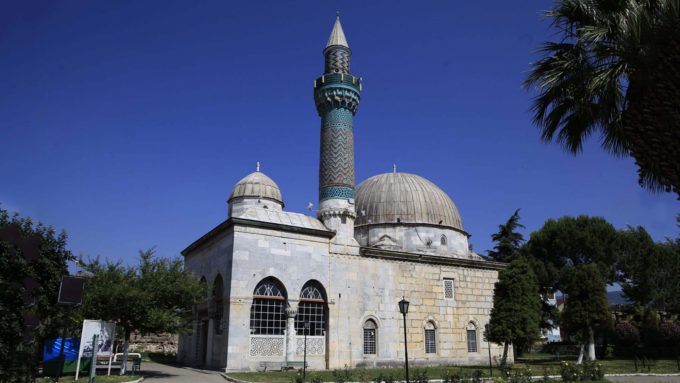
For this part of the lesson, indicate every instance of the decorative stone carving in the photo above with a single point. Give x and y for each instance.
(267, 345)
(316, 345)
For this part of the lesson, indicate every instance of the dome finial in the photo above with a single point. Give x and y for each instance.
(257, 166)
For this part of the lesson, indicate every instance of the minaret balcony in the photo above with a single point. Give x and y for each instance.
(338, 80)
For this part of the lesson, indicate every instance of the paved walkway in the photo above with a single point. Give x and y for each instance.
(644, 379)
(162, 373)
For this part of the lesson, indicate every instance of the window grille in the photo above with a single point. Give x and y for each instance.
(216, 306)
(472, 340)
(448, 289)
(430, 338)
(268, 289)
(370, 344)
(312, 312)
(430, 342)
(268, 311)
(311, 309)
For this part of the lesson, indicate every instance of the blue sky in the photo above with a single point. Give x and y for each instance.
(127, 123)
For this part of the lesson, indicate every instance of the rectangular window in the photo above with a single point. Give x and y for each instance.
(369, 341)
(448, 288)
(430, 342)
(472, 340)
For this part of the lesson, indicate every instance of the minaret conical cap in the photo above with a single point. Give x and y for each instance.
(337, 35)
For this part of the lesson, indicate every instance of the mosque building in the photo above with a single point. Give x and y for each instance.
(277, 278)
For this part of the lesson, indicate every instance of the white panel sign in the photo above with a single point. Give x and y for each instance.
(105, 332)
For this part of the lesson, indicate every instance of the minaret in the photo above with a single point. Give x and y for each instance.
(337, 95)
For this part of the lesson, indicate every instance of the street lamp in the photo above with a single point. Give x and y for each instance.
(304, 364)
(403, 308)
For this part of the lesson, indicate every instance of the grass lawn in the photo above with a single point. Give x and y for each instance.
(539, 364)
(159, 357)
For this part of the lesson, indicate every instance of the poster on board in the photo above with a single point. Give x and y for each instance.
(105, 332)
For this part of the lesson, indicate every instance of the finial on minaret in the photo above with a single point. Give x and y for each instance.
(337, 36)
(394, 168)
(257, 166)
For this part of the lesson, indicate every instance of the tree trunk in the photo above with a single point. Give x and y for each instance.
(123, 363)
(591, 343)
(580, 355)
(504, 360)
(651, 119)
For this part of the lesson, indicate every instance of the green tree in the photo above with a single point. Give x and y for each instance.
(156, 296)
(573, 241)
(515, 315)
(33, 259)
(612, 72)
(508, 240)
(648, 270)
(566, 242)
(586, 308)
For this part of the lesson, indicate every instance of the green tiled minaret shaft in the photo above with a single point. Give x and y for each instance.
(337, 95)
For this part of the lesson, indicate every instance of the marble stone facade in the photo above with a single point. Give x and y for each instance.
(358, 287)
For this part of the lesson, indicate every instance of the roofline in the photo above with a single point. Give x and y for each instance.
(415, 224)
(233, 221)
(371, 252)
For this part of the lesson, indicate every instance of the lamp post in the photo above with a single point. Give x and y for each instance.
(403, 308)
(304, 363)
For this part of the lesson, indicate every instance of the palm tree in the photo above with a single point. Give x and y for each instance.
(615, 71)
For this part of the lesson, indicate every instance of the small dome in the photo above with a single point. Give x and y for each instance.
(257, 185)
(405, 198)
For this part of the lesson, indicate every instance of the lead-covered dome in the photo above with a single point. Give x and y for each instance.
(256, 185)
(404, 198)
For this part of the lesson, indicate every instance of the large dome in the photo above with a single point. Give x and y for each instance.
(257, 185)
(405, 198)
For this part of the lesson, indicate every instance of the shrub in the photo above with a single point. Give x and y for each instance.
(420, 377)
(362, 377)
(592, 371)
(342, 376)
(446, 376)
(477, 376)
(459, 377)
(670, 331)
(520, 375)
(570, 372)
(387, 378)
(627, 334)
(315, 379)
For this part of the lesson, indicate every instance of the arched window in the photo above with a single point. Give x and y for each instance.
(370, 337)
(442, 240)
(268, 311)
(430, 338)
(311, 309)
(216, 306)
(472, 337)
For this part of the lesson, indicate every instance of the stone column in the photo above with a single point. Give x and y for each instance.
(291, 345)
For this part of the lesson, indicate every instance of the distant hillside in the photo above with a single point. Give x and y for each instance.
(617, 298)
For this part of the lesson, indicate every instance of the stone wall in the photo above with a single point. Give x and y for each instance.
(357, 287)
(165, 343)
